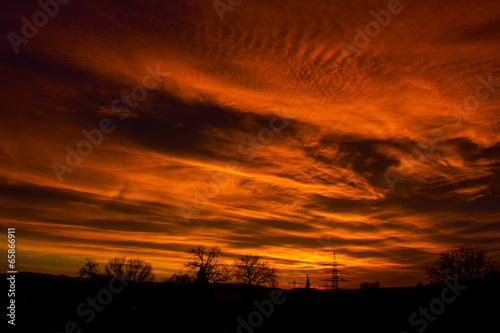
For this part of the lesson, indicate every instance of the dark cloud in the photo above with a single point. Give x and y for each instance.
(322, 175)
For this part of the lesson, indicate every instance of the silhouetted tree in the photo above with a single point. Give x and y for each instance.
(136, 270)
(180, 278)
(207, 264)
(252, 270)
(89, 269)
(463, 262)
(368, 285)
(308, 285)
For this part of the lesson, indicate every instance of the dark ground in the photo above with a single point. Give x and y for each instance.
(47, 303)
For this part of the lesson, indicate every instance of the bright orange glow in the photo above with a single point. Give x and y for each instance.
(317, 180)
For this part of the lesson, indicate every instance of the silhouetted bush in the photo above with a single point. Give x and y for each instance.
(136, 270)
(368, 285)
(180, 278)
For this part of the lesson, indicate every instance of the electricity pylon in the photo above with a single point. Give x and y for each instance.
(335, 279)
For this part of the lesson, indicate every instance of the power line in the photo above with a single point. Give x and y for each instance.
(335, 279)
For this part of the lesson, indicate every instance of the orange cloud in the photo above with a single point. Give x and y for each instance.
(321, 176)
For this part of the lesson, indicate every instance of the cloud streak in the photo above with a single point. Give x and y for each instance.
(322, 177)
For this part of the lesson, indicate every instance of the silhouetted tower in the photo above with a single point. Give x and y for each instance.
(308, 285)
(294, 284)
(335, 279)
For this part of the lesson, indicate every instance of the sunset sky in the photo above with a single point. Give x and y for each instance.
(258, 129)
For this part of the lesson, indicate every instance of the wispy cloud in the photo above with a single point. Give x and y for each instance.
(322, 176)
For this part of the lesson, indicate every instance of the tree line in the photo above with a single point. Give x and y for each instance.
(206, 265)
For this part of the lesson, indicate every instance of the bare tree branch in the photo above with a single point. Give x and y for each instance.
(136, 270)
(252, 270)
(463, 262)
(89, 269)
(207, 264)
